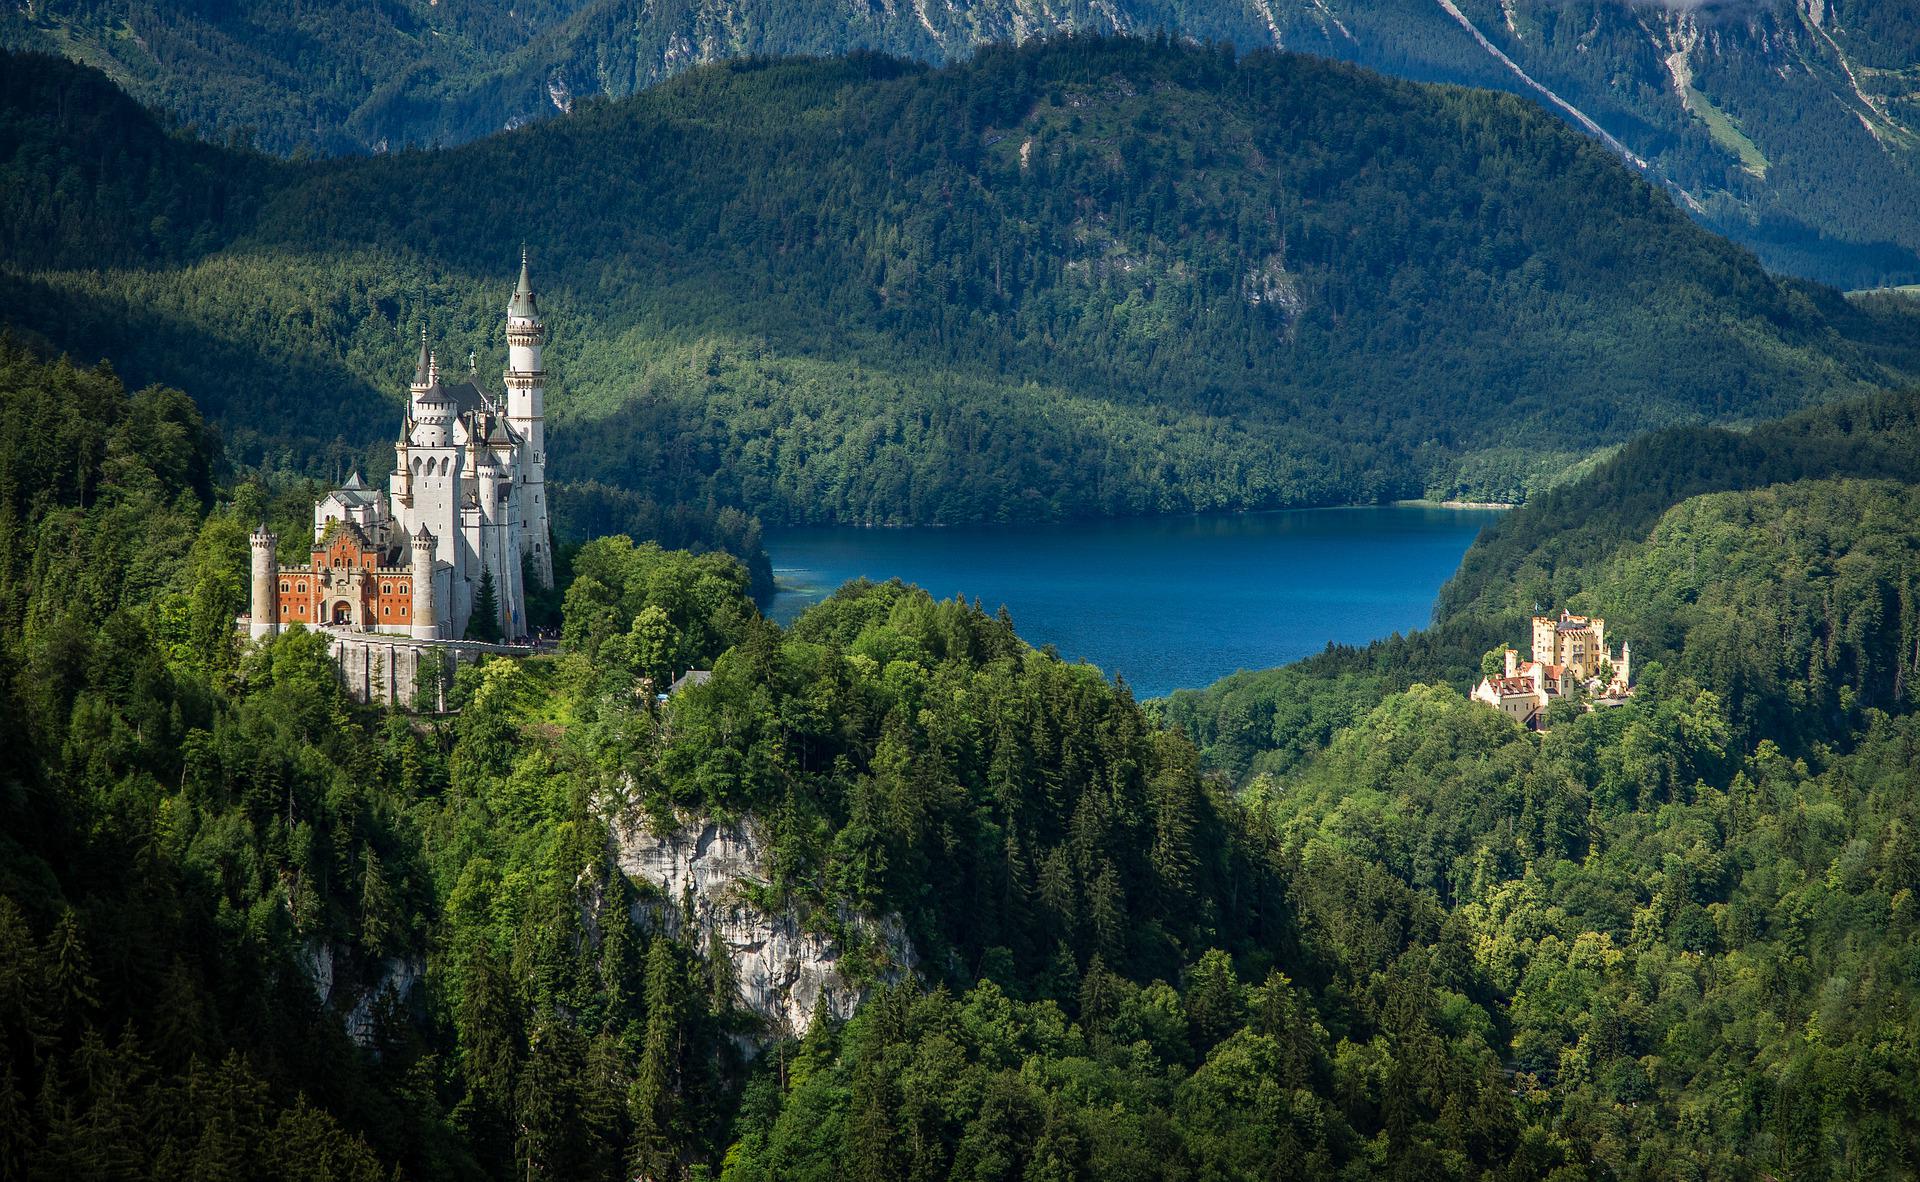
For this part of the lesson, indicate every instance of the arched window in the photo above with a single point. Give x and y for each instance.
(416, 465)
(386, 588)
(285, 587)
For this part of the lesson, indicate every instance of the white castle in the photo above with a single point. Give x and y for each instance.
(466, 504)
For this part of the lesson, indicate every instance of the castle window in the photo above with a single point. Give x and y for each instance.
(386, 588)
(285, 587)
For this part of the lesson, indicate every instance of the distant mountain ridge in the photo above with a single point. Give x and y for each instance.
(1077, 278)
(1790, 124)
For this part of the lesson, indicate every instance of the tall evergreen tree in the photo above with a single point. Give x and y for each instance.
(484, 624)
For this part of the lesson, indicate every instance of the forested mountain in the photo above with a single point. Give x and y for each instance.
(1791, 123)
(251, 930)
(1101, 276)
(1698, 906)
(1549, 553)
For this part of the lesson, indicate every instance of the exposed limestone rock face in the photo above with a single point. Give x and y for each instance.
(398, 975)
(786, 973)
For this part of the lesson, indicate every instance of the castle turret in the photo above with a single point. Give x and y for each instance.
(264, 612)
(426, 615)
(526, 409)
(423, 369)
(402, 480)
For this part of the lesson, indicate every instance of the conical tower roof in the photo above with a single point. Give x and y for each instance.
(423, 369)
(522, 305)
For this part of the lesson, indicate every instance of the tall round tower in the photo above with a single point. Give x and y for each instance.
(526, 409)
(264, 612)
(426, 615)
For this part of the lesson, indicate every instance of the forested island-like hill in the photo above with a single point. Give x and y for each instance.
(1792, 126)
(1088, 277)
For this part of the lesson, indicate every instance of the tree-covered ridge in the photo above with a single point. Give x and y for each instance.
(1086, 277)
(1676, 934)
(1552, 551)
(218, 877)
(1546, 551)
(1696, 908)
(1791, 124)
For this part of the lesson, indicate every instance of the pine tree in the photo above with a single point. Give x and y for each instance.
(484, 624)
(380, 927)
(69, 982)
(653, 1104)
(16, 1125)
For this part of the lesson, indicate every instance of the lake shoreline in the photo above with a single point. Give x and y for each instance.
(1423, 503)
(1409, 503)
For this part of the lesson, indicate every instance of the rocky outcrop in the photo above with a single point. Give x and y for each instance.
(398, 976)
(786, 972)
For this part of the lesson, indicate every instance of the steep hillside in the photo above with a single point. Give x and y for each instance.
(1790, 123)
(1568, 545)
(1089, 277)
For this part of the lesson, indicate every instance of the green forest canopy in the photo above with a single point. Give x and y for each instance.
(1087, 277)
(1792, 126)
(1679, 934)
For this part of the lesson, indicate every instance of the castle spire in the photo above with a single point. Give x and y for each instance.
(423, 369)
(522, 305)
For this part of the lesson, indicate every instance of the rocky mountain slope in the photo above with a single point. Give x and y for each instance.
(1788, 124)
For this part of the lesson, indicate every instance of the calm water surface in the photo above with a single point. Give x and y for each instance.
(1167, 603)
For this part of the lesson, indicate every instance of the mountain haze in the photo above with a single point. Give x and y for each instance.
(1099, 276)
(1789, 124)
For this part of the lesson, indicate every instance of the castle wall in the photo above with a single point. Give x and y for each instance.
(391, 670)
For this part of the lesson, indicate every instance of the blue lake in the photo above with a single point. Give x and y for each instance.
(1167, 603)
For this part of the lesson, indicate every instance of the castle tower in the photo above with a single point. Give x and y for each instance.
(264, 618)
(426, 616)
(526, 410)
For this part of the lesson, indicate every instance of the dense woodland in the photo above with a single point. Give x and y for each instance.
(1331, 920)
(1091, 277)
(1795, 131)
(254, 930)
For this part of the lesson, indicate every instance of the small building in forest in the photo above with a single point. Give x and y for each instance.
(1569, 653)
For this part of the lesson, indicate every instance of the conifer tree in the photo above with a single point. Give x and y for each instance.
(484, 624)
(653, 1103)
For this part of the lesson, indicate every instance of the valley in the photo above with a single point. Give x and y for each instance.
(691, 842)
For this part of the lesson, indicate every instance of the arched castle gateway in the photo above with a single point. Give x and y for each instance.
(391, 577)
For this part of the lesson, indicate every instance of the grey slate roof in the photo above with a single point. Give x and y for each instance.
(689, 678)
(467, 395)
(355, 492)
(522, 304)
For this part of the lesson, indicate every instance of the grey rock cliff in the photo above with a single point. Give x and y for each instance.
(785, 972)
